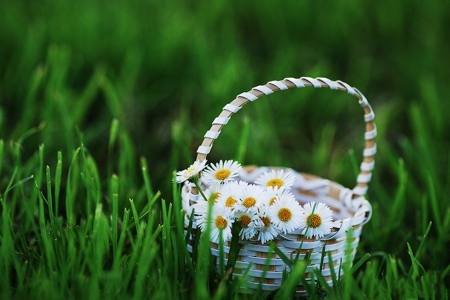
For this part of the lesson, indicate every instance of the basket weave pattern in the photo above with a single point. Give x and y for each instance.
(349, 206)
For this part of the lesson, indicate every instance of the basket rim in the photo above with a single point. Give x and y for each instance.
(255, 93)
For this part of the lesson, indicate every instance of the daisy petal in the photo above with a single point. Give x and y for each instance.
(267, 231)
(251, 199)
(249, 223)
(319, 223)
(286, 214)
(280, 179)
(191, 172)
(231, 193)
(222, 172)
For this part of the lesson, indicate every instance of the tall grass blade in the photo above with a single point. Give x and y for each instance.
(58, 175)
(70, 191)
(283, 256)
(135, 217)
(2, 147)
(112, 140)
(287, 291)
(422, 242)
(9, 188)
(121, 243)
(359, 263)
(415, 263)
(435, 207)
(243, 141)
(47, 244)
(114, 183)
(51, 213)
(147, 182)
(332, 270)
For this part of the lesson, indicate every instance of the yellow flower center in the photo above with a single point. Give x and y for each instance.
(221, 223)
(249, 202)
(275, 182)
(245, 220)
(230, 202)
(284, 214)
(189, 172)
(272, 201)
(266, 221)
(222, 174)
(315, 221)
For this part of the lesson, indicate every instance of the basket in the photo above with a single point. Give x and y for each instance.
(350, 208)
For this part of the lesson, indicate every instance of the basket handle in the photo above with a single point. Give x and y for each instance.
(272, 86)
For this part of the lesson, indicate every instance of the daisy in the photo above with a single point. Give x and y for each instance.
(286, 214)
(190, 173)
(320, 223)
(221, 172)
(231, 193)
(280, 179)
(272, 194)
(266, 229)
(212, 194)
(250, 199)
(221, 220)
(249, 223)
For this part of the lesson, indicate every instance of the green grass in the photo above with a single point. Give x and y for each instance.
(91, 250)
(100, 102)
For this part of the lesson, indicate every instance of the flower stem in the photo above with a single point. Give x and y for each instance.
(200, 190)
(308, 225)
(235, 246)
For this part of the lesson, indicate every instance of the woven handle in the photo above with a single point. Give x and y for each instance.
(272, 86)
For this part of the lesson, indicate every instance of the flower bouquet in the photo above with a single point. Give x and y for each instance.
(298, 215)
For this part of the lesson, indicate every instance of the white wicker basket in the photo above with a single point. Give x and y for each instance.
(350, 208)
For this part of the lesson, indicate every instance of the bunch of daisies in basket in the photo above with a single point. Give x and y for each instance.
(265, 209)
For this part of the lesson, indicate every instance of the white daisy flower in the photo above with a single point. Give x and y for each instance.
(221, 219)
(231, 193)
(280, 179)
(249, 223)
(212, 194)
(221, 172)
(274, 193)
(251, 199)
(266, 229)
(191, 172)
(320, 223)
(286, 214)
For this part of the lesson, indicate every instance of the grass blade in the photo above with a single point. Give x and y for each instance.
(9, 188)
(243, 140)
(2, 146)
(287, 290)
(360, 262)
(114, 183)
(283, 256)
(58, 175)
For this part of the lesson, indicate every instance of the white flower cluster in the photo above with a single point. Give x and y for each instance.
(265, 209)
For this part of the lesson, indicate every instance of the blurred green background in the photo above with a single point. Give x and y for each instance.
(165, 69)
